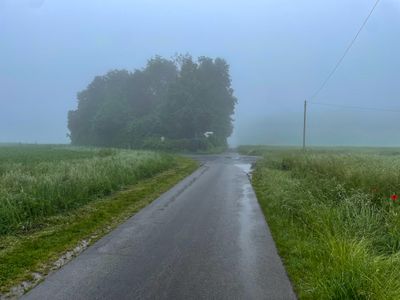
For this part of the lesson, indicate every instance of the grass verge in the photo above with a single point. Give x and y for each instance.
(334, 224)
(25, 253)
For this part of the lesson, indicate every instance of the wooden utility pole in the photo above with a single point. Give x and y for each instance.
(305, 125)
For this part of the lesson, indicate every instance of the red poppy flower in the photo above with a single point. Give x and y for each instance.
(394, 197)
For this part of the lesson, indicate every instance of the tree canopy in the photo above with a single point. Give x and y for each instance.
(167, 104)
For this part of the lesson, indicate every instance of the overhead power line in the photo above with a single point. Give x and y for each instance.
(345, 52)
(356, 107)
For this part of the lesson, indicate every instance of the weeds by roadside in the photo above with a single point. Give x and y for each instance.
(336, 220)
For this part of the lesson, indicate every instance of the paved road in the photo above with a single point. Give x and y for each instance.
(204, 239)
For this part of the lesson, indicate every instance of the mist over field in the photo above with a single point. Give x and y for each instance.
(325, 128)
(279, 53)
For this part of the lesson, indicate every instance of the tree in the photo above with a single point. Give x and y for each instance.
(101, 110)
(180, 100)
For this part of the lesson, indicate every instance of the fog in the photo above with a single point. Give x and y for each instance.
(279, 53)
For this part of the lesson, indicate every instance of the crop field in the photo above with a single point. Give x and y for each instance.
(335, 216)
(40, 181)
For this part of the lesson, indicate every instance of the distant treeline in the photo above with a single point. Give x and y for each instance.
(169, 105)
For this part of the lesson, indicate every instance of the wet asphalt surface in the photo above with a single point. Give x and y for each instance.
(206, 238)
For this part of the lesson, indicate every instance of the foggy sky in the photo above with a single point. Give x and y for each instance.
(280, 52)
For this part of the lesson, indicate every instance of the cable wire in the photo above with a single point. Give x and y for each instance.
(345, 52)
(355, 107)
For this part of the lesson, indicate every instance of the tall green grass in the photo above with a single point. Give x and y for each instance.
(333, 220)
(41, 181)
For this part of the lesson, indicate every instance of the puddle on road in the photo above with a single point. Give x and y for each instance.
(246, 168)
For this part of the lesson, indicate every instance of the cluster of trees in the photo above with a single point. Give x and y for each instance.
(169, 104)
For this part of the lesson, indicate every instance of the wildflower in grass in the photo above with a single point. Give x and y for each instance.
(394, 197)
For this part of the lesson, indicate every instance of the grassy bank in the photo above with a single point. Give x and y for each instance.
(115, 184)
(333, 218)
(41, 181)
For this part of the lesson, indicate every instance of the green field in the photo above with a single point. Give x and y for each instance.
(40, 181)
(333, 218)
(52, 197)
